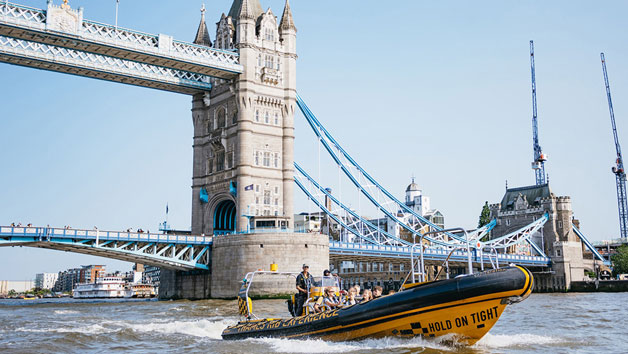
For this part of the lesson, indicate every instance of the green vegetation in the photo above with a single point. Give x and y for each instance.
(485, 215)
(620, 260)
(485, 218)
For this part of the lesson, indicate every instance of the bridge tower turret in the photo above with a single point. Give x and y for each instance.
(244, 128)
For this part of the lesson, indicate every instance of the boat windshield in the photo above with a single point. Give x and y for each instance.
(325, 281)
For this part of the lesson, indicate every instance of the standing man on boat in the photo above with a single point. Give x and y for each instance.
(304, 280)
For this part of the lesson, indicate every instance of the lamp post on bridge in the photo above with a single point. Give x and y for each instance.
(117, 3)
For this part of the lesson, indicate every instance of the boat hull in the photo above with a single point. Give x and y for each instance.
(466, 307)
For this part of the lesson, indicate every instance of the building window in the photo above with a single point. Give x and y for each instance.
(401, 266)
(269, 34)
(276, 201)
(266, 118)
(220, 161)
(210, 166)
(257, 115)
(276, 118)
(221, 118)
(256, 200)
(266, 159)
(270, 62)
(558, 254)
(276, 160)
(257, 188)
(276, 190)
(266, 197)
(560, 224)
(256, 158)
(507, 222)
(390, 267)
(229, 160)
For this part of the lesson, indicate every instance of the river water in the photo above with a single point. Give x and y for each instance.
(544, 323)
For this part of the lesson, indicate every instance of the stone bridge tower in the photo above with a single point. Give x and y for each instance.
(243, 129)
(520, 207)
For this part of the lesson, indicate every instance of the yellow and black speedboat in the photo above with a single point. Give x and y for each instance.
(466, 307)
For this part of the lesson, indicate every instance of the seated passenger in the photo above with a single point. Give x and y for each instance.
(367, 295)
(326, 301)
(351, 298)
(377, 291)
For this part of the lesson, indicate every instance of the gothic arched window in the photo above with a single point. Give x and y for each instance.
(221, 118)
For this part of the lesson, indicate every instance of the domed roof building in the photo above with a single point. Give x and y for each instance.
(413, 187)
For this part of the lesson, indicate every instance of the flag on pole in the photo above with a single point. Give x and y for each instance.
(249, 187)
(166, 208)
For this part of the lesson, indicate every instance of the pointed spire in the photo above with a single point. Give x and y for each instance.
(287, 22)
(202, 35)
(249, 8)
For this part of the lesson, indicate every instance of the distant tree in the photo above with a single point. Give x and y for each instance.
(485, 215)
(620, 260)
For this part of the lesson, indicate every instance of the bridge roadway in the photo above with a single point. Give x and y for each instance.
(59, 39)
(182, 252)
(432, 256)
(178, 252)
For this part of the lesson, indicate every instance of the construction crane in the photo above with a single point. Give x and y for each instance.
(538, 165)
(618, 170)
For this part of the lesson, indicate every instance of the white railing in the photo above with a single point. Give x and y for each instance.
(107, 33)
(103, 235)
(21, 14)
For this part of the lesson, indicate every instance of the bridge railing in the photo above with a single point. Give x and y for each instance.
(46, 233)
(402, 251)
(22, 14)
(158, 44)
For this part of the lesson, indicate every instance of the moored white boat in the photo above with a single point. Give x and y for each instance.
(106, 287)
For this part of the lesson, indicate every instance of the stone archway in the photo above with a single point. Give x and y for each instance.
(225, 217)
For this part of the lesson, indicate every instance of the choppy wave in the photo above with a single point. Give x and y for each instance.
(516, 340)
(65, 312)
(90, 329)
(207, 328)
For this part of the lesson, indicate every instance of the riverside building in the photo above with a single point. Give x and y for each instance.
(46, 280)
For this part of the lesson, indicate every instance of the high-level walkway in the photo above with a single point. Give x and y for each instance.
(58, 38)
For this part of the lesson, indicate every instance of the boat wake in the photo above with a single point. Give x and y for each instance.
(210, 328)
(320, 346)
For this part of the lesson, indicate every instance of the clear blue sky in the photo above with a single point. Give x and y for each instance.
(438, 89)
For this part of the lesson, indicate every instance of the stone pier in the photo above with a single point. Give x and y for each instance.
(235, 255)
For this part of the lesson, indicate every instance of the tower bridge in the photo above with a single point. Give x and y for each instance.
(244, 102)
